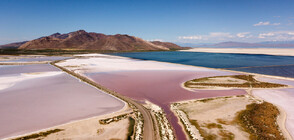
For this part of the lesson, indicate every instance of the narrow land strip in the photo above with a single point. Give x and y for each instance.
(148, 130)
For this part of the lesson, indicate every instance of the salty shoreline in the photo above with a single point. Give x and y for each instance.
(267, 51)
(155, 64)
(78, 123)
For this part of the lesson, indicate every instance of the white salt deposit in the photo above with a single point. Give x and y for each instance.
(109, 63)
(9, 81)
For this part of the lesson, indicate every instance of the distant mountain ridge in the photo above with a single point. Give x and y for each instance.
(82, 40)
(12, 45)
(243, 44)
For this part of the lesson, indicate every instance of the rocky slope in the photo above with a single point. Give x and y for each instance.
(96, 41)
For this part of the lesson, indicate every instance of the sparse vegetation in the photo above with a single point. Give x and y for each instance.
(206, 100)
(131, 128)
(213, 125)
(250, 82)
(222, 133)
(203, 133)
(99, 131)
(221, 121)
(259, 120)
(39, 135)
(226, 135)
(113, 119)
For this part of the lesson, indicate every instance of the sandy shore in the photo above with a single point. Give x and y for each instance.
(268, 51)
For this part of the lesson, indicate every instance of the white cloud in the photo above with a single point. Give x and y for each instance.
(265, 23)
(243, 35)
(156, 40)
(276, 24)
(264, 35)
(220, 35)
(262, 23)
(210, 36)
(278, 35)
(214, 37)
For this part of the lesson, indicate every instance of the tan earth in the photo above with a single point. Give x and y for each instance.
(218, 112)
(91, 128)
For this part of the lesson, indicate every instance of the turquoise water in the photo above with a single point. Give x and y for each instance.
(275, 65)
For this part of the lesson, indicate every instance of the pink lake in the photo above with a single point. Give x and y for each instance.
(161, 87)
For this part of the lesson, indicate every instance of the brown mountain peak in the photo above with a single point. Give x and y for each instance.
(95, 41)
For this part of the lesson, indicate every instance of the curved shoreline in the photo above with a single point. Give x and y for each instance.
(283, 115)
(276, 77)
(281, 119)
(213, 69)
(125, 108)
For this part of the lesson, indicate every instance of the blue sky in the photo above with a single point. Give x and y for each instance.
(186, 21)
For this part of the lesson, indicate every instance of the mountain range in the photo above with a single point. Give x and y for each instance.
(82, 40)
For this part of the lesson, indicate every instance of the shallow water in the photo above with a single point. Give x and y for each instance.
(39, 103)
(222, 60)
(161, 88)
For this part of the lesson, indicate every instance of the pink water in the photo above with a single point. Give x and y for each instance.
(161, 88)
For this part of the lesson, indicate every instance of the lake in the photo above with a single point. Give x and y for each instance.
(262, 64)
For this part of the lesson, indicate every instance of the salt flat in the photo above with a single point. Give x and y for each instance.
(41, 100)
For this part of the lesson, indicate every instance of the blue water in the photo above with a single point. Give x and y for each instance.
(286, 71)
(222, 60)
